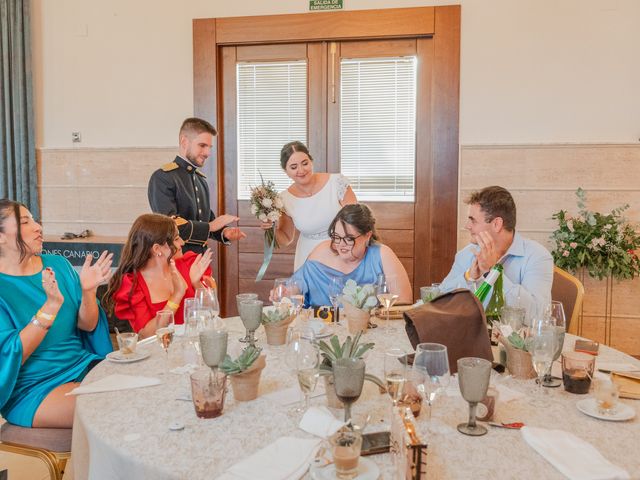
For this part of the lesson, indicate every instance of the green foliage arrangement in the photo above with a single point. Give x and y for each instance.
(247, 358)
(606, 245)
(360, 296)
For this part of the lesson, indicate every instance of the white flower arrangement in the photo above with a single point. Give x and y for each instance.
(267, 205)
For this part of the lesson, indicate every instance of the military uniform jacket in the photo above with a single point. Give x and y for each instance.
(178, 189)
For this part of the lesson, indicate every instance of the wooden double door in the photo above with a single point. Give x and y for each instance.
(421, 232)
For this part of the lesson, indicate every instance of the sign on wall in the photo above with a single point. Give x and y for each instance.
(76, 252)
(325, 4)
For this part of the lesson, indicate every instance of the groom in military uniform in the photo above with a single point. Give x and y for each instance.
(179, 189)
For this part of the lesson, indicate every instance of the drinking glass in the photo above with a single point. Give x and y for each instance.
(513, 317)
(213, 345)
(165, 329)
(557, 323)
(577, 371)
(336, 286)
(251, 316)
(127, 343)
(606, 393)
(429, 293)
(432, 366)
(348, 377)
(395, 366)
(295, 294)
(279, 290)
(385, 288)
(474, 375)
(208, 299)
(542, 345)
(208, 392)
(297, 340)
(190, 304)
(239, 298)
(345, 450)
(307, 369)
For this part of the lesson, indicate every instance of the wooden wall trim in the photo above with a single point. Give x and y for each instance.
(304, 27)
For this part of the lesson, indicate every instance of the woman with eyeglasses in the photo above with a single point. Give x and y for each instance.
(352, 252)
(311, 202)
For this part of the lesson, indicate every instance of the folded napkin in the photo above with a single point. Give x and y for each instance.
(570, 455)
(319, 421)
(114, 382)
(288, 458)
(289, 396)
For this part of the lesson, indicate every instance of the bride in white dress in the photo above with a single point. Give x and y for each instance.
(311, 202)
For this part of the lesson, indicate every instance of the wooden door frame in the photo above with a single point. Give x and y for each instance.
(436, 239)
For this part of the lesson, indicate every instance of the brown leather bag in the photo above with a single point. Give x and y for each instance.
(455, 319)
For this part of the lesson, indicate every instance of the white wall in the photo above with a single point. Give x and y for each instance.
(532, 71)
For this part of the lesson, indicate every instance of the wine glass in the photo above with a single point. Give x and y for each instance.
(190, 304)
(279, 290)
(395, 366)
(165, 329)
(336, 286)
(208, 299)
(307, 358)
(557, 323)
(385, 288)
(294, 292)
(348, 377)
(474, 375)
(542, 346)
(213, 345)
(251, 316)
(297, 339)
(239, 298)
(432, 365)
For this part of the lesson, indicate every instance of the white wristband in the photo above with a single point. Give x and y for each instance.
(37, 323)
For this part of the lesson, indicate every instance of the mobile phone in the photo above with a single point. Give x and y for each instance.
(587, 346)
(373, 443)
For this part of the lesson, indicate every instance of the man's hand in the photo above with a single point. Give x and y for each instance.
(221, 222)
(233, 233)
(486, 257)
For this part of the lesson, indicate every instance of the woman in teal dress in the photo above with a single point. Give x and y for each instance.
(51, 326)
(352, 252)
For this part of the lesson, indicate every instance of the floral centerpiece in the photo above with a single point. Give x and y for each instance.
(267, 206)
(358, 300)
(606, 245)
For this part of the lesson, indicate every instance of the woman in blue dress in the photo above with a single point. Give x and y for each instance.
(352, 252)
(51, 326)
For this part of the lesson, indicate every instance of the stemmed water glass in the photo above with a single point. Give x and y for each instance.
(251, 316)
(213, 345)
(557, 323)
(395, 368)
(239, 299)
(474, 375)
(208, 299)
(298, 338)
(165, 329)
(307, 359)
(385, 288)
(295, 294)
(279, 290)
(348, 377)
(431, 364)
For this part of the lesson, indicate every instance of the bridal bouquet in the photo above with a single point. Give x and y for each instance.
(267, 206)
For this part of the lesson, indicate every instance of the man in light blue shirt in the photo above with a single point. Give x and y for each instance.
(528, 266)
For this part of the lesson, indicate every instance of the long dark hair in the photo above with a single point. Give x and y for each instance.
(148, 229)
(291, 148)
(8, 208)
(359, 216)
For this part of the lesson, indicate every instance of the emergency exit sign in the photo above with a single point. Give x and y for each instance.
(325, 4)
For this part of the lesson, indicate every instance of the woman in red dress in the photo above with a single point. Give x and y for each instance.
(154, 275)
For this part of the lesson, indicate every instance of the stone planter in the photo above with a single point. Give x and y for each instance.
(357, 320)
(245, 385)
(277, 332)
(519, 362)
(330, 390)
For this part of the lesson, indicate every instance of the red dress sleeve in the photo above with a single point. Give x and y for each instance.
(134, 306)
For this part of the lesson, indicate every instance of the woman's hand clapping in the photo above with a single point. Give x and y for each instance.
(50, 286)
(200, 265)
(93, 275)
(178, 283)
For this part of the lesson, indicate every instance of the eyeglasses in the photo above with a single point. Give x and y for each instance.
(349, 240)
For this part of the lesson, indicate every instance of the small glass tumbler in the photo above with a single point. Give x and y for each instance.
(577, 371)
(607, 394)
(127, 343)
(345, 449)
(208, 390)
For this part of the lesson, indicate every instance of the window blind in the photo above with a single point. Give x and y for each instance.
(378, 127)
(272, 111)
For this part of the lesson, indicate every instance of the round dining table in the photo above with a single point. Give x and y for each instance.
(130, 434)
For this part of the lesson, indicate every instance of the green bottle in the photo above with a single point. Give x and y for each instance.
(496, 303)
(483, 290)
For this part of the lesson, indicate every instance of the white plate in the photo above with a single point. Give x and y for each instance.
(118, 357)
(367, 470)
(589, 407)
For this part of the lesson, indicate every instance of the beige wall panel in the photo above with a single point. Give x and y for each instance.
(626, 297)
(561, 166)
(254, 243)
(593, 328)
(110, 229)
(595, 299)
(56, 168)
(621, 336)
(124, 204)
(59, 204)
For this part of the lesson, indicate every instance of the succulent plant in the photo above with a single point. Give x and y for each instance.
(360, 296)
(247, 357)
(518, 342)
(276, 314)
(351, 348)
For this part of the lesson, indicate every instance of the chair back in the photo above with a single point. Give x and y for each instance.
(456, 320)
(569, 290)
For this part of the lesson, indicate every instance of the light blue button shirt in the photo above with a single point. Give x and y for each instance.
(527, 278)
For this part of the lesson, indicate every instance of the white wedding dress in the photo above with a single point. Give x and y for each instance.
(313, 215)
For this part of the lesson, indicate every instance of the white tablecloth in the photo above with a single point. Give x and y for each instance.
(125, 434)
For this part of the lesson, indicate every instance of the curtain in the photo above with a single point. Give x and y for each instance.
(18, 175)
